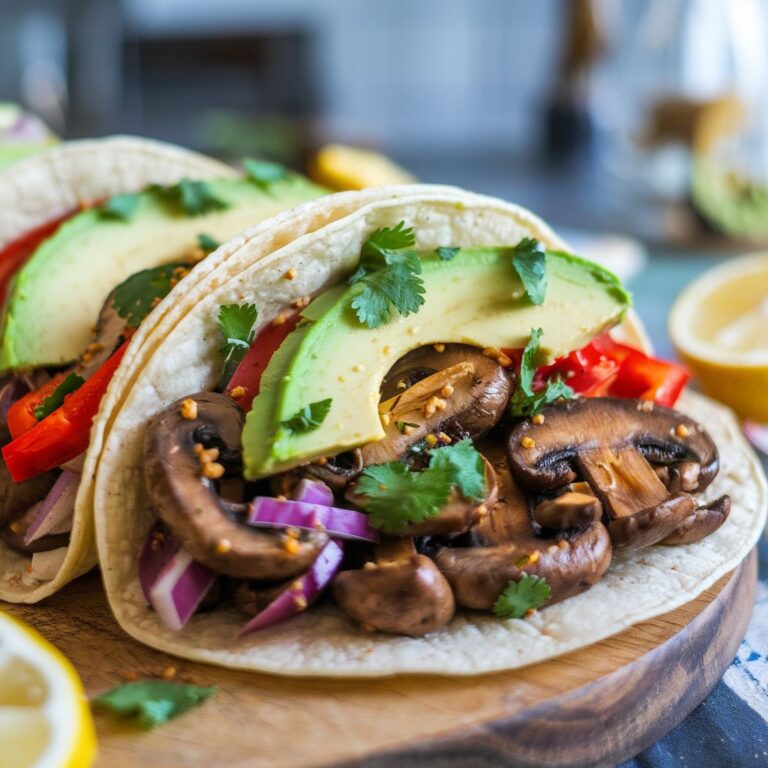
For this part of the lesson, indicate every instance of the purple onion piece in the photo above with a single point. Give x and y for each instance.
(12, 391)
(57, 507)
(158, 550)
(302, 592)
(313, 492)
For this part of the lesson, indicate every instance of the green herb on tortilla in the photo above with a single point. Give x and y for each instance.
(190, 198)
(56, 399)
(263, 173)
(402, 425)
(236, 325)
(390, 273)
(208, 243)
(149, 703)
(446, 254)
(519, 597)
(529, 258)
(524, 401)
(137, 296)
(396, 497)
(119, 207)
(309, 417)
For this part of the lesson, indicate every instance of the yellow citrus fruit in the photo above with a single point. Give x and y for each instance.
(719, 326)
(45, 720)
(342, 167)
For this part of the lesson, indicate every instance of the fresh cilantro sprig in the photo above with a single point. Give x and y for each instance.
(263, 173)
(390, 274)
(524, 401)
(445, 253)
(395, 497)
(519, 597)
(152, 702)
(529, 258)
(119, 207)
(235, 322)
(309, 417)
(55, 400)
(137, 296)
(190, 198)
(207, 242)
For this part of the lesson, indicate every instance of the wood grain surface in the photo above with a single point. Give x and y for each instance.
(594, 707)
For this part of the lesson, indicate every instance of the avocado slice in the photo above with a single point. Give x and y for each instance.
(475, 298)
(55, 297)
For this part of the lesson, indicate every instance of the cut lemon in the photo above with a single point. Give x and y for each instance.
(45, 720)
(342, 167)
(719, 326)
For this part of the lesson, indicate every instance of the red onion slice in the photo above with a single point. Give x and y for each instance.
(57, 508)
(313, 492)
(302, 592)
(757, 434)
(158, 550)
(10, 392)
(179, 589)
(266, 511)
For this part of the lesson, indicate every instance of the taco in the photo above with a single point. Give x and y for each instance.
(93, 234)
(409, 441)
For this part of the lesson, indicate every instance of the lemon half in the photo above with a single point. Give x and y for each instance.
(45, 720)
(719, 327)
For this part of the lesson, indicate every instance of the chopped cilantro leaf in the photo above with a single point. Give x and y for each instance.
(56, 398)
(401, 425)
(137, 296)
(529, 259)
(446, 254)
(388, 239)
(192, 198)
(119, 207)
(396, 497)
(524, 401)
(519, 597)
(207, 243)
(236, 325)
(152, 702)
(263, 173)
(309, 417)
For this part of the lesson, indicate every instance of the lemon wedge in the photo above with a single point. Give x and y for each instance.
(343, 167)
(719, 327)
(45, 720)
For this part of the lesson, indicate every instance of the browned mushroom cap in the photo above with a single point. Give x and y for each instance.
(506, 547)
(575, 507)
(337, 472)
(609, 442)
(402, 592)
(701, 522)
(427, 389)
(205, 524)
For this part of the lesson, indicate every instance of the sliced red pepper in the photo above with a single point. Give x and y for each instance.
(21, 415)
(248, 374)
(65, 433)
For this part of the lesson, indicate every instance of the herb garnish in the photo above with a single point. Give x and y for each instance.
(137, 296)
(396, 497)
(55, 400)
(529, 258)
(524, 401)
(193, 198)
(236, 325)
(309, 417)
(446, 254)
(263, 173)
(402, 425)
(152, 702)
(390, 274)
(519, 597)
(119, 207)
(208, 243)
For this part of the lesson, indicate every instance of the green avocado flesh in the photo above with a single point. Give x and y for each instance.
(476, 298)
(56, 296)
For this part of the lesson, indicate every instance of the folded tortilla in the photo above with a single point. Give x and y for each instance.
(179, 356)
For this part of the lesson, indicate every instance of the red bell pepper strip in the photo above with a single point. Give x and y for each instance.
(248, 374)
(21, 415)
(64, 434)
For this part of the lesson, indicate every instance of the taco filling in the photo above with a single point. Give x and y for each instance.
(443, 430)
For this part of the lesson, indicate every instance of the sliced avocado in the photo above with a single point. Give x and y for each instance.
(55, 297)
(476, 298)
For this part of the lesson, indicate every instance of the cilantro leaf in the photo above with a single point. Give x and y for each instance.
(235, 322)
(529, 259)
(263, 173)
(152, 702)
(519, 597)
(119, 207)
(137, 296)
(446, 254)
(401, 426)
(396, 497)
(388, 239)
(56, 399)
(207, 243)
(192, 198)
(309, 417)
(524, 401)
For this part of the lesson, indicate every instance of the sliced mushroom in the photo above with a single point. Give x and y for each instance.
(402, 592)
(701, 522)
(427, 389)
(16, 498)
(108, 335)
(14, 532)
(611, 443)
(576, 507)
(337, 472)
(251, 597)
(207, 525)
(505, 547)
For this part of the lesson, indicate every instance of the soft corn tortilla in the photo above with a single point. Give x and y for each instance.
(180, 357)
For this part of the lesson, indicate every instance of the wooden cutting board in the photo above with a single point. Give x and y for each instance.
(596, 706)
